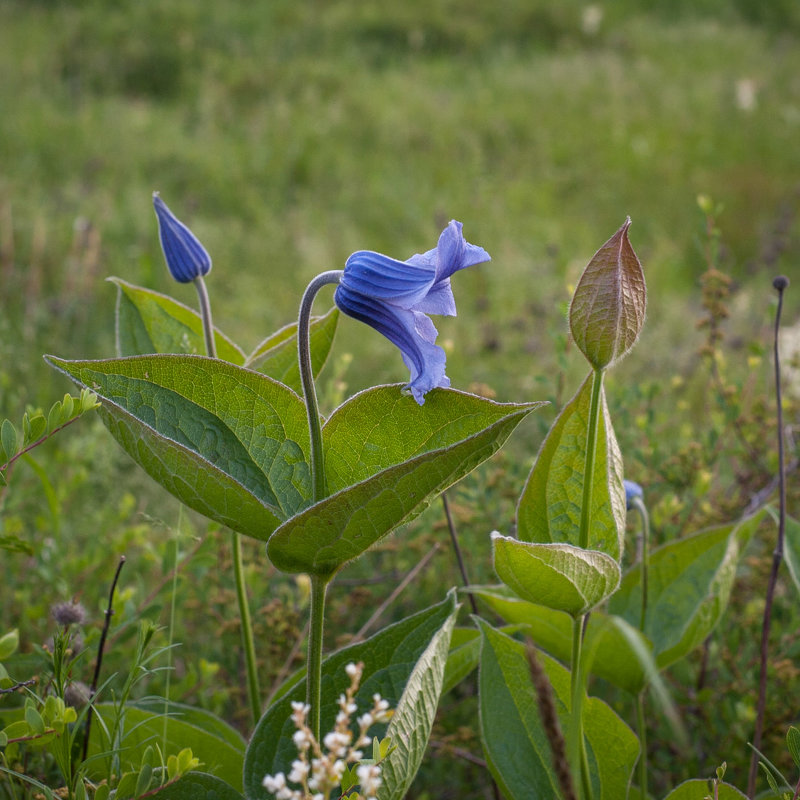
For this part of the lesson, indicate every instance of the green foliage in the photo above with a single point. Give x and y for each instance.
(198, 786)
(390, 658)
(382, 478)
(550, 506)
(516, 743)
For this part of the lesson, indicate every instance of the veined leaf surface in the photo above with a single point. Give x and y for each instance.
(228, 442)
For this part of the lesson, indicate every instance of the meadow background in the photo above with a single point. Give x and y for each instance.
(289, 134)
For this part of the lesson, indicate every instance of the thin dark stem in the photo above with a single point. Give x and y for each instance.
(780, 284)
(307, 378)
(459, 557)
(253, 692)
(319, 587)
(639, 505)
(99, 662)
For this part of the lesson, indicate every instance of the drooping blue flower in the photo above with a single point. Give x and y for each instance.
(187, 259)
(395, 297)
(632, 490)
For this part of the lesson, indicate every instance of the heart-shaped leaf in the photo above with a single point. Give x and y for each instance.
(149, 322)
(390, 659)
(276, 356)
(608, 307)
(515, 742)
(558, 576)
(226, 441)
(387, 456)
(549, 509)
(689, 584)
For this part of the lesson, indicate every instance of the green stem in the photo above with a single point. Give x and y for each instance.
(319, 587)
(307, 379)
(642, 726)
(639, 505)
(205, 314)
(575, 744)
(591, 450)
(253, 692)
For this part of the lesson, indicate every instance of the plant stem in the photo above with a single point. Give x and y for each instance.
(99, 662)
(253, 692)
(459, 557)
(575, 744)
(639, 505)
(642, 726)
(591, 450)
(205, 314)
(319, 587)
(780, 283)
(307, 379)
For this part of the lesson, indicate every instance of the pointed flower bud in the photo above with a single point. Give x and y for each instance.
(608, 307)
(395, 297)
(187, 259)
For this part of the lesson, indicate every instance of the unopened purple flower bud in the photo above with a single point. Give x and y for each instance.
(632, 490)
(186, 258)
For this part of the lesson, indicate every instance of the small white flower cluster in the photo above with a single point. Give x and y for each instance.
(318, 772)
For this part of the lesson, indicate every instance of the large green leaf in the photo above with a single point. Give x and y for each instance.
(516, 745)
(558, 576)
(413, 716)
(390, 659)
(198, 786)
(614, 658)
(276, 356)
(228, 442)
(150, 322)
(385, 458)
(689, 584)
(698, 789)
(550, 506)
(219, 747)
(607, 310)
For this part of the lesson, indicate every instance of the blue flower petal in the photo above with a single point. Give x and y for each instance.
(384, 278)
(412, 333)
(632, 490)
(186, 258)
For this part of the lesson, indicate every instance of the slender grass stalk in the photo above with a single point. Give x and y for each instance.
(248, 642)
(641, 724)
(173, 595)
(780, 283)
(319, 585)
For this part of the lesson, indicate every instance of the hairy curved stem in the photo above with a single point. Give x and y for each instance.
(307, 379)
(205, 314)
